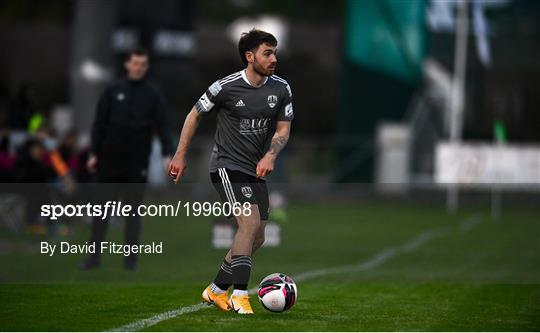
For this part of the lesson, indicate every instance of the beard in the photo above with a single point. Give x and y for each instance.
(259, 69)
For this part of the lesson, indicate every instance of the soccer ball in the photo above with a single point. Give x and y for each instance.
(277, 292)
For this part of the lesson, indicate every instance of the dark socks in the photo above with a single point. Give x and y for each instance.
(224, 277)
(241, 270)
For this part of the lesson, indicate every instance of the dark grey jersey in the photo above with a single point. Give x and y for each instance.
(246, 119)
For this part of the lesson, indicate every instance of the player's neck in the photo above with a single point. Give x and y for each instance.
(254, 78)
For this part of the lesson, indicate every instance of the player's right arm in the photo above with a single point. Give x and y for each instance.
(205, 104)
(177, 167)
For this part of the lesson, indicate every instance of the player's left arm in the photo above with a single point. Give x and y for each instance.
(279, 140)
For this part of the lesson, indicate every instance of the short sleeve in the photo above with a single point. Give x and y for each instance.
(286, 112)
(209, 99)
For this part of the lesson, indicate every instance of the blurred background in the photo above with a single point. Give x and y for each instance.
(416, 101)
(372, 80)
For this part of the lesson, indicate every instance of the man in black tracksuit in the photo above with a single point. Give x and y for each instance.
(128, 113)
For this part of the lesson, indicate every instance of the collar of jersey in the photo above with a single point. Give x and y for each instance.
(244, 76)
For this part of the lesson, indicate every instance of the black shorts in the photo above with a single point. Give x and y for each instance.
(235, 186)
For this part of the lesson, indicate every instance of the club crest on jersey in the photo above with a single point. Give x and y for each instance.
(245, 124)
(247, 192)
(272, 100)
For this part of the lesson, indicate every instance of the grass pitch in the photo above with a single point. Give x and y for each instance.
(372, 267)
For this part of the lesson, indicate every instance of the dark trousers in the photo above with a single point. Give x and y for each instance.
(116, 183)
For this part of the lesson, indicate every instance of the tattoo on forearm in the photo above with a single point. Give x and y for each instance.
(278, 142)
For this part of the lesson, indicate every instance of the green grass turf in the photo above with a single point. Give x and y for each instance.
(485, 279)
(323, 307)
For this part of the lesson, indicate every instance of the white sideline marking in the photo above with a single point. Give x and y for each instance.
(377, 260)
(140, 324)
(469, 223)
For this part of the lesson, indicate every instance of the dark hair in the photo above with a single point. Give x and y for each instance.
(139, 51)
(250, 41)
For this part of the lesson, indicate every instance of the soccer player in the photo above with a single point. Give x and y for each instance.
(254, 113)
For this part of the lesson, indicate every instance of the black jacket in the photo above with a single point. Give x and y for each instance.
(128, 113)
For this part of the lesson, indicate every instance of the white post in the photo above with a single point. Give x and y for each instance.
(457, 99)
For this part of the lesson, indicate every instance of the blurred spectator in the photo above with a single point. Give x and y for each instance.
(31, 168)
(76, 159)
(23, 107)
(31, 164)
(7, 159)
(68, 151)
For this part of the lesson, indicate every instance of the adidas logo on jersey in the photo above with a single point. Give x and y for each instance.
(240, 103)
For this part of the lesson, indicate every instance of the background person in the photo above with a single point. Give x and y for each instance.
(128, 113)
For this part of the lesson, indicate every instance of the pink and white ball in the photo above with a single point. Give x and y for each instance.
(277, 292)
